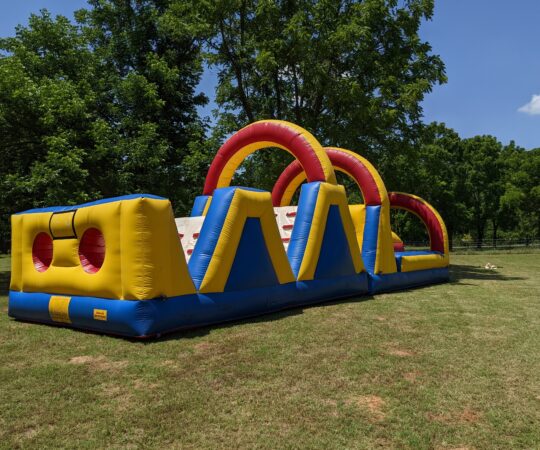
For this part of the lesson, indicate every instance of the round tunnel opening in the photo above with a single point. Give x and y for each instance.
(92, 250)
(42, 252)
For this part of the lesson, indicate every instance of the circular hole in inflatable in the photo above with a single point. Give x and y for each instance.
(92, 250)
(42, 252)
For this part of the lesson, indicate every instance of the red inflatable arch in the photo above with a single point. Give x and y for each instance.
(427, 214)
(357, 167)
(269, 133)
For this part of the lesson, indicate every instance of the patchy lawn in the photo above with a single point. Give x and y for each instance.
(448, 366)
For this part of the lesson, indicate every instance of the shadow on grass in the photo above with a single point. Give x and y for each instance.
(459, 274)
(269, 317)
(4, 282)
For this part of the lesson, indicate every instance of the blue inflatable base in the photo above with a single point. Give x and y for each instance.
(146, 318)
(406, 280)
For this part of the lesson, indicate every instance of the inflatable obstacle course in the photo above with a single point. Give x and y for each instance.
(126, 266)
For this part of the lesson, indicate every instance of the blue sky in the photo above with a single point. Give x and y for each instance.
(491, 52)
(492, 56)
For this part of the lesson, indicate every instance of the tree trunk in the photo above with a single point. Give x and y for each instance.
(237, 72)
(278, 96)
(296, 97)
(479, 235)
(450, 239)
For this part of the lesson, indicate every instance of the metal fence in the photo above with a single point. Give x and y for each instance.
(488, 244)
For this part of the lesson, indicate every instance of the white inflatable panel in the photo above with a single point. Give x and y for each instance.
(189, 229)
(285, 216)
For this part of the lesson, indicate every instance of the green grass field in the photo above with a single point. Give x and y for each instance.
(442, 367)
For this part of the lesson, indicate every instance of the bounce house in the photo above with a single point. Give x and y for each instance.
(126, 266)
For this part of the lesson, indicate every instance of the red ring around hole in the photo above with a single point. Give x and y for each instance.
(42, 252)
(92, 250)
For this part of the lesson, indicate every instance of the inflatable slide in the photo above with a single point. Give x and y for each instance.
(126, 266)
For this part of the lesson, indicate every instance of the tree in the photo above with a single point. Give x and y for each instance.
(351, 72)
(436, 174)
(149, 76)
(476, 184)
(483, 182)
(519, 213)
(46, 117)
(99, 108)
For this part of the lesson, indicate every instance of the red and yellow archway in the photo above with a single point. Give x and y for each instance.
(309, 153)
(438, 236)
(358, 168)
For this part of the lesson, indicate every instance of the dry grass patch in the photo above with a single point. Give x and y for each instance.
(400, 352)
(455, 448)
(466, 415)
(412, 376)
(373, 404)
(98, 363)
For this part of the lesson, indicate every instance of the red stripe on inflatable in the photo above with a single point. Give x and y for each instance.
(340, 160)
(261, 132)
(425, 213)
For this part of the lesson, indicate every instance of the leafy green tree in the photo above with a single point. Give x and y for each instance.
(46, 117)
(482, 172)
(149, 76)
(519, 213)
(436, 175)
(99, 108)
(351, 72)
(477, 185)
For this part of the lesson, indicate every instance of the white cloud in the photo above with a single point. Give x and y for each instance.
(533, 107)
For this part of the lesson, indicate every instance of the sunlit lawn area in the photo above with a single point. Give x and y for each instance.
(448, 366)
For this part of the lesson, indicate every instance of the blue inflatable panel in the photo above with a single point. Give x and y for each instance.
(209, 235)
(199, 205)
(335, 257)
(371, 233)
(252, 266)
(302, 225)
(124, 317)
(84, 205)
(210, 232)
(144, 318)
(403, 280)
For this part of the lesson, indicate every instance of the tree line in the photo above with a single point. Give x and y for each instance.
(109, 104)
